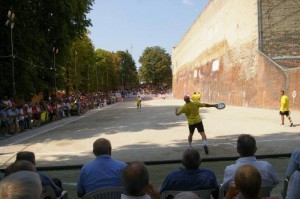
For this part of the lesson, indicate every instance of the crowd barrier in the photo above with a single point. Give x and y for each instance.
(159, 170)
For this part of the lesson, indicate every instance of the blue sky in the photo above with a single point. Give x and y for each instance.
(134, 25)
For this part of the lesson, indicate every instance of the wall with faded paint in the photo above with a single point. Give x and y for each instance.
(219, 57)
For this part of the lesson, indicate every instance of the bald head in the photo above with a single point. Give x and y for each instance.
(248, 181)
(135, 179)
(102, 146)
(22, 184)
(186, 99)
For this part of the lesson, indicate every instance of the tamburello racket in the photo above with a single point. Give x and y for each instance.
(221, 105)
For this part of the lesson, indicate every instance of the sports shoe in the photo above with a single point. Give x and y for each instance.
(281, 124)
(291, 124)
(205, 149)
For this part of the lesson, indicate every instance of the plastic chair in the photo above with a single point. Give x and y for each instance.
(107, 193)
(204, 194)
(266, 191)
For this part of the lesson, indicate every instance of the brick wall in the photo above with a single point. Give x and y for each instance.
(281, 27)
(219, 57)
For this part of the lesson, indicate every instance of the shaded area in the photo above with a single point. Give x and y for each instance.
(159, 170)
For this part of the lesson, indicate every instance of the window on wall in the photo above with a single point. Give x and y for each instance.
(215, 65)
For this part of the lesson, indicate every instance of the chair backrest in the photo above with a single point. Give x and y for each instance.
(107, 193)
(64, 195)
(204, 194)
(266, 191)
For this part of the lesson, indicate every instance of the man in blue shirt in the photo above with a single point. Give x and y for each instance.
(246, 147)
(293, 175)
(102, 172)
(191, 178)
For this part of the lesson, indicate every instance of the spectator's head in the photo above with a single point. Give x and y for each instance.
(248, 181)
(246, 145)
(22, 184)
(102, 146)
(191, 159)
(135, 179)
(187, 195)
(186, 99)
(26, 155)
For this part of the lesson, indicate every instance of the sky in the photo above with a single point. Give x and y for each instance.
(134, 25)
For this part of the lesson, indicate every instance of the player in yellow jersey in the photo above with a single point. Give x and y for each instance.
(195, 97)
(139, 102)
(191, 111)
(285, 109)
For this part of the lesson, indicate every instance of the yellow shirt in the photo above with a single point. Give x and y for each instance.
(138, 100)
(199, 96)
(195, 97)
(284, 103)
(191, 111)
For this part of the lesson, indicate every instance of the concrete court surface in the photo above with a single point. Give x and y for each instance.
(153, 133)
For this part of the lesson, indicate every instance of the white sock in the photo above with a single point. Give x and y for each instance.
(190, 144)
(205, 142)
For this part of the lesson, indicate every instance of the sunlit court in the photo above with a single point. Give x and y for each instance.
(153, 133)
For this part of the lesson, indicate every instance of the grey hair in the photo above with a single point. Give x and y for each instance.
(20, 185)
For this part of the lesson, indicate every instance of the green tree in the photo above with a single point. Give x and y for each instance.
(78, 70)
(108, 70)
(155, 66)
(129, 75)
(39, 26)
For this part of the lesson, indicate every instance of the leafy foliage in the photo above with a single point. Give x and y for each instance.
(155, 66)
(39, 26)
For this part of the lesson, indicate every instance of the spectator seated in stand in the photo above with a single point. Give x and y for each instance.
(293, 175)
(246, 147)
(46, 180)
(135, 180)
(247, 183)
(191, 177)
(21, 165)
(21, 185)
(102, 172)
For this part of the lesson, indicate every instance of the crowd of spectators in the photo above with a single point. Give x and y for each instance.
(18, 116)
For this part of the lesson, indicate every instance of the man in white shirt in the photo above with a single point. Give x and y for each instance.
(246, 147)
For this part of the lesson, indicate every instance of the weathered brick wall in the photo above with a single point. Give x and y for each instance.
(280, 27)
(219, 57)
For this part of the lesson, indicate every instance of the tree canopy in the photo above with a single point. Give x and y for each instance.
(155, 66)
(38, 27)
